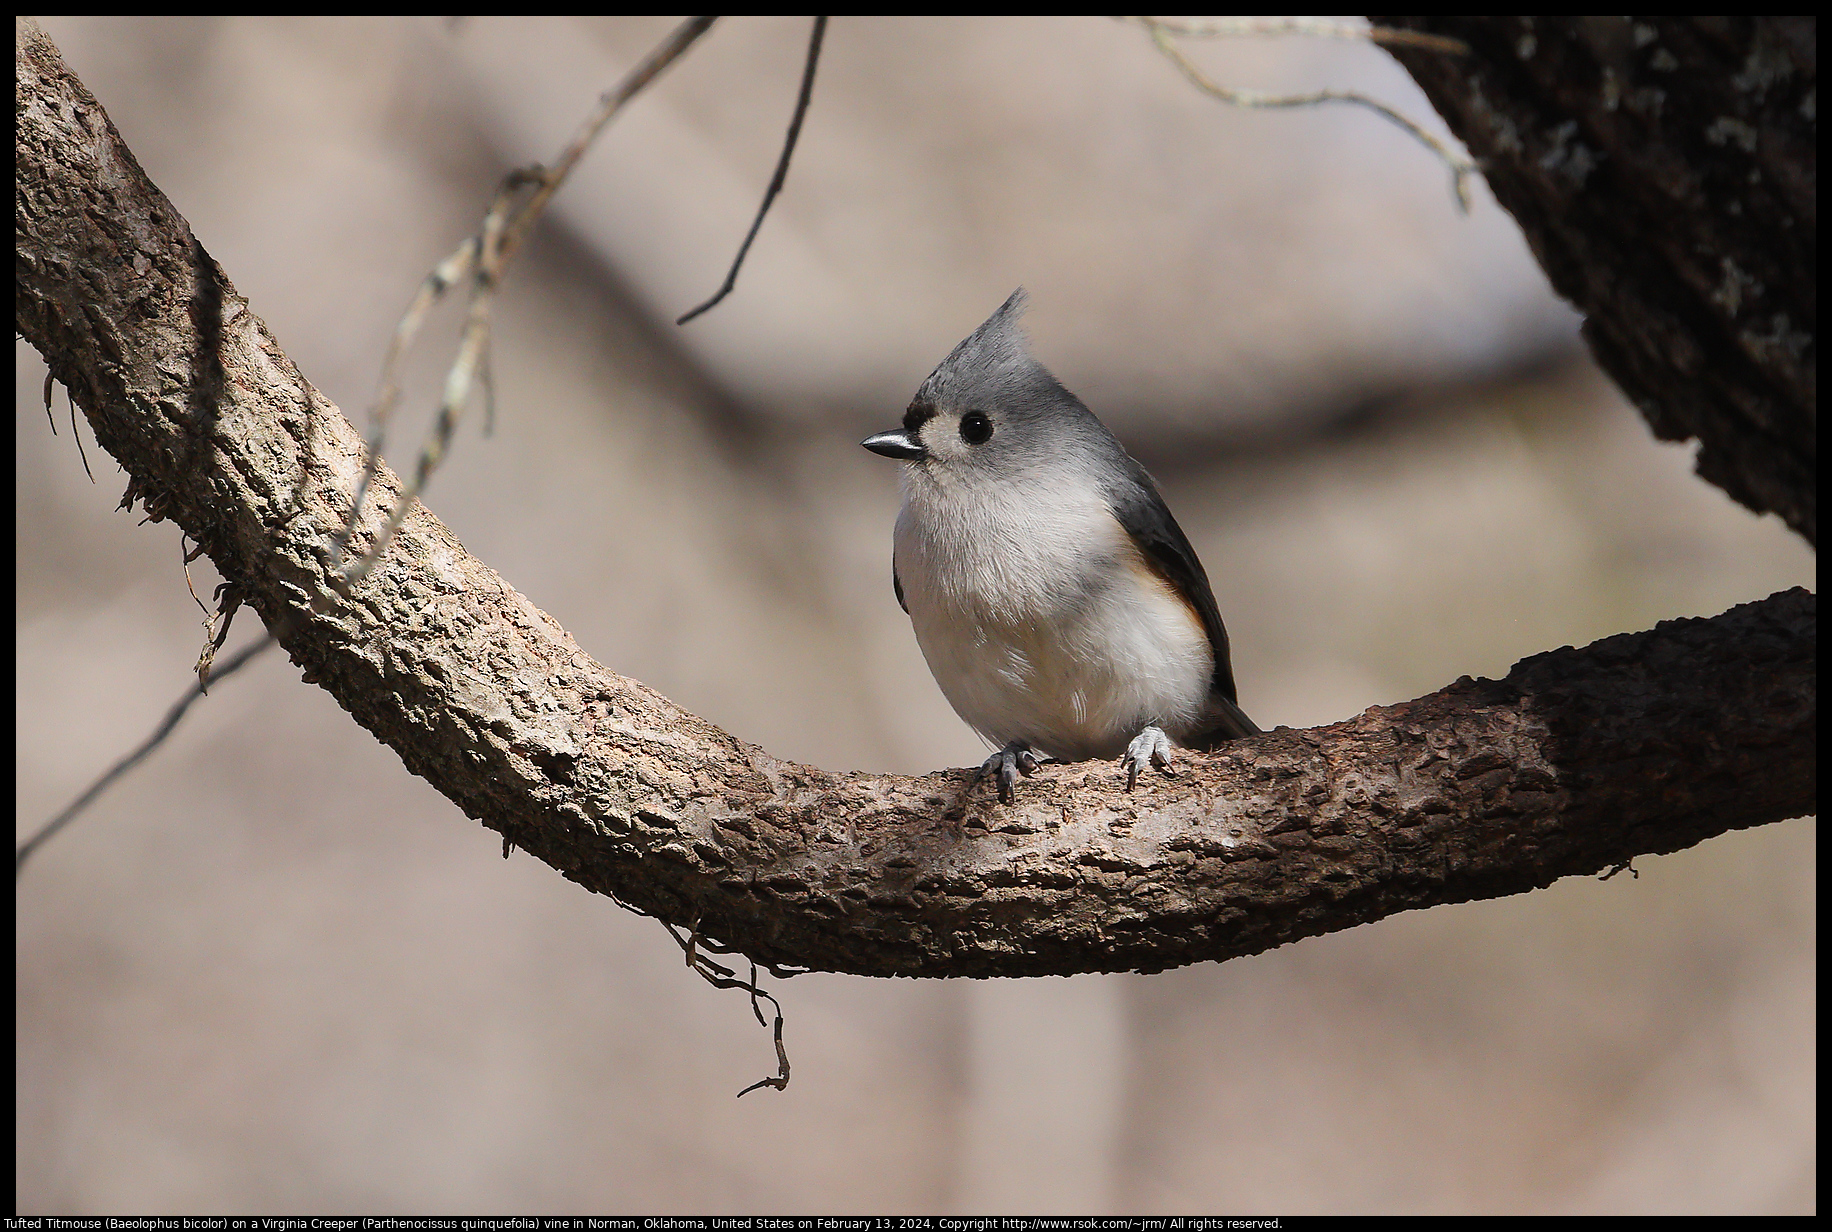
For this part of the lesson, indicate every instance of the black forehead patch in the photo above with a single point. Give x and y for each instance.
(918, 414)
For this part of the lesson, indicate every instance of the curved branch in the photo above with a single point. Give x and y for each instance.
(1579, 760)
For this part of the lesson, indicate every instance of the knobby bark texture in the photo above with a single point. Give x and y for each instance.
(1578, 761)
(1664, 172)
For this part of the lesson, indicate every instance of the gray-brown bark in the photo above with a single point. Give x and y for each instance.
(1579, 760)
(1663, 170)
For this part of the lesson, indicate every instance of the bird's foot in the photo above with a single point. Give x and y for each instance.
(1150, 747)
(1007, 764)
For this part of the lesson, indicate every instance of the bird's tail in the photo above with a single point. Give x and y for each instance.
(1226, 722)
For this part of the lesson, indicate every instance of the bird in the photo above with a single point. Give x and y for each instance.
(1060, 608)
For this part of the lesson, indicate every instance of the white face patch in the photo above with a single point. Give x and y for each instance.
(941, 436)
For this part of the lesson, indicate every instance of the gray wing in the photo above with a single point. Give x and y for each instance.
(1142, 512)
(897, 585)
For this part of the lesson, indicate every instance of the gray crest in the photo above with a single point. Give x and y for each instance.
(995, 356)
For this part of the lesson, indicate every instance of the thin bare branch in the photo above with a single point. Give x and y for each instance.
(481, 257)
(782, 170)
(114, 772)
(1313, 27)
(1461, 166)
(432, 289)
(609, 104)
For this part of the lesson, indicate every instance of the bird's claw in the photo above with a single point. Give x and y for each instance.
(1006, 765)
(1149, 747)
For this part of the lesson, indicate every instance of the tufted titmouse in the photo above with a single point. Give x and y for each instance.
(1056, 599)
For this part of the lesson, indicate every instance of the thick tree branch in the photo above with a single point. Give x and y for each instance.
(1663, 172)
(1579, 760)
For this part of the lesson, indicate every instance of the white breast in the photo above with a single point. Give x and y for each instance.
(1042, 622)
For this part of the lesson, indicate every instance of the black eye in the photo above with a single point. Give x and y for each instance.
(976, 429)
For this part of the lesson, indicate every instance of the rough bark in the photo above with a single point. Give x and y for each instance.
(1664, 172)
(1579, 760)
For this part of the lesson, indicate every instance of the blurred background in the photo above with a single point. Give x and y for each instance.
(272, 972)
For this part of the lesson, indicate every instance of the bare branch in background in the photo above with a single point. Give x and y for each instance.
(93, 792)
(782, 170)
(481, 260)
(1461, 166)
(1310, 27)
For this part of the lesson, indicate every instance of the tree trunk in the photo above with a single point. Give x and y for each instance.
(1663, 170)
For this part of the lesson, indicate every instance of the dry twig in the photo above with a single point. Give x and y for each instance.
(782, 170)
(1461, 165)
(721, 976)
(134, 758)
(481, 258)
(74, 434)
(1314, 27)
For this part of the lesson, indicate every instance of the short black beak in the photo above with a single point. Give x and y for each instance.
(895, 445)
